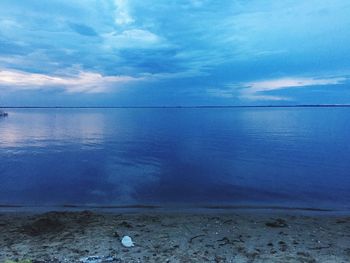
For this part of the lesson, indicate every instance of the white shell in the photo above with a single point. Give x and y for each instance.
(127, 241)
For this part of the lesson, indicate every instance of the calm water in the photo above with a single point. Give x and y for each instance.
(255, 156)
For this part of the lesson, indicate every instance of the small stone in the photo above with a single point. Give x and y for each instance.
(277, 223)
(125, 224)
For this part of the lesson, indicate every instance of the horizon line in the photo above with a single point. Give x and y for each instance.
(178, 106)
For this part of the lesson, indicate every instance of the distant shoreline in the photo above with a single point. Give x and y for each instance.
(181, 107)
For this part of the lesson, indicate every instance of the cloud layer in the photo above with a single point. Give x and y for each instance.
(191, 50)
(258, 90)
(83, 82)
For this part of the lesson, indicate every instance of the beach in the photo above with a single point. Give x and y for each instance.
(192, 236)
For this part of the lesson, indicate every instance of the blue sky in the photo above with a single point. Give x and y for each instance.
(193, 52)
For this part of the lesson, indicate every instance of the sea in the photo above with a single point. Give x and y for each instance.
(225, 157)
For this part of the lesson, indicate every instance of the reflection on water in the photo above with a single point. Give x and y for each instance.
(38, 128)
(258, 156)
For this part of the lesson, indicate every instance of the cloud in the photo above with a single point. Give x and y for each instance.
(259, 90)
(122, 15)
(133, 38)
(257, 97)
(83, 82)
(255, 90)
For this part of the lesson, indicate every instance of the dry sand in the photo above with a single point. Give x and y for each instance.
(174, 237)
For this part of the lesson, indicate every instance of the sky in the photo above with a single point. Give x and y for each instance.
(174, 52)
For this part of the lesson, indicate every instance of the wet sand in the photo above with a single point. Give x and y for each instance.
(231, 236)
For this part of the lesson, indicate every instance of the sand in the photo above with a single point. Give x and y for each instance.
(232, 236)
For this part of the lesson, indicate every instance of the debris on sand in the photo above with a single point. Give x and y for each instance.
(96, 259)
(193, 238)
(127, 241)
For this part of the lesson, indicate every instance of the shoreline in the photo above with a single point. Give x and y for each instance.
(189, 209)
(175, 236)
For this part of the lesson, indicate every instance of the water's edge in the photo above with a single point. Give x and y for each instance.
(146, 209)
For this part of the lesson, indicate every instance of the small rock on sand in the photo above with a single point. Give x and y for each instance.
(277, 223)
